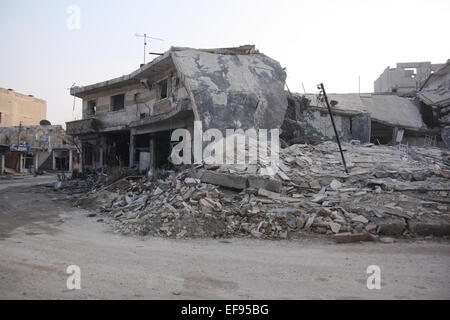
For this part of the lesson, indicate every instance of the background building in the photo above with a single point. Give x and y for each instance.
(20, 109)
(406, 78)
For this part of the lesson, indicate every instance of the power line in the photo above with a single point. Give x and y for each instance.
(145, 36)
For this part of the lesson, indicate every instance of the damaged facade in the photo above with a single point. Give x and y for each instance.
(435, 97)
(128, 121)
(410, 106)
(406, 79)
(376, 118)
(31, 149)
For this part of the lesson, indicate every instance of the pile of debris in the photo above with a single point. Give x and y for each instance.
(387, 192)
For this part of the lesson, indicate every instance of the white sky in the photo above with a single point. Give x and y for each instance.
(317, 41)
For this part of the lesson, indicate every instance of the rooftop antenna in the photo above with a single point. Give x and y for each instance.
(74, 101)
(145, 36)
(359, 85)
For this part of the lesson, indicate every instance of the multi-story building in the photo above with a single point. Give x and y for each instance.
(406, 79)
(128, 121)
(20, 109)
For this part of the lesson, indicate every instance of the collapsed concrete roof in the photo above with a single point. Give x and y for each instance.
(228, 87)
(436, 90)
(390, 110)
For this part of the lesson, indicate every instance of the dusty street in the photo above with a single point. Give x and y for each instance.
(41, 235)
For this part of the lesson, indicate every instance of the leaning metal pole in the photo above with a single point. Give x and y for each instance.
(321, 87)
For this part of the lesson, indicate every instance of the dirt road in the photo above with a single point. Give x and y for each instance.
(41, 235)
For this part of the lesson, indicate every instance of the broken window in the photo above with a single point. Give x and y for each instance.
(163, 88)
(117, 102)
(411, 72)
(92, 107)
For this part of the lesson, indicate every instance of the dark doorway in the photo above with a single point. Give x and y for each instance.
(381, 134)
(118, 149)
(162, 149)
(61, 160)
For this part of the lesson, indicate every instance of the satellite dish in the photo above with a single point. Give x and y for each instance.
(45, 123)
(334, 103)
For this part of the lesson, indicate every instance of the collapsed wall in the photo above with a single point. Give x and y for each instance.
(233, 90)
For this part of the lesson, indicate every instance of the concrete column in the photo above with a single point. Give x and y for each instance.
(100, 161)
(70, 161)
(2, 164)
(53, 161)
(21, 163)
(36, 162)
(81, 159)
(132, 139)
(152, 153)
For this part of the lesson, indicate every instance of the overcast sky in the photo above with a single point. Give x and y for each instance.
(327, 41)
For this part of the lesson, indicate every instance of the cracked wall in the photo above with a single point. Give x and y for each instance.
(232, 91)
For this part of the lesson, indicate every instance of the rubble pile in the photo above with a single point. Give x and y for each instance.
(386, 192)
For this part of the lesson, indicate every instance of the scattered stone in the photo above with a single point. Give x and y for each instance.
(224, 180)
(361, 219)
(319, 198)
(335, 185)
(335, 227)
(315, 184)
(387, 240)
(262, 182)
(309, 192)
(268, 194)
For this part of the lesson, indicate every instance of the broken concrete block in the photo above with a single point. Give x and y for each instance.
(283, 176)
(257, 234)
(361, 219)
(429, 227)
(387, 240)
(191, 181)
(300, 222)
(224, 180)
(315, 184)
(371, 227)
(283, 234)
(262, 182)
(354, 237)
(335, 185)
(291, 222)
(268, 194)
(335, 227)
(319, 198)
(310, 221)
(390, 226)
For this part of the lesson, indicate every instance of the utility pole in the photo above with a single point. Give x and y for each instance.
(322, 88)
(359, 85)
(18, 136)
(145, 41)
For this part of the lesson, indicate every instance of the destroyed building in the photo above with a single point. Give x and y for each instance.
(406, 79)
(128, 121)
(376, 118)
(435, 97)
(28, 149)
(410, 106)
